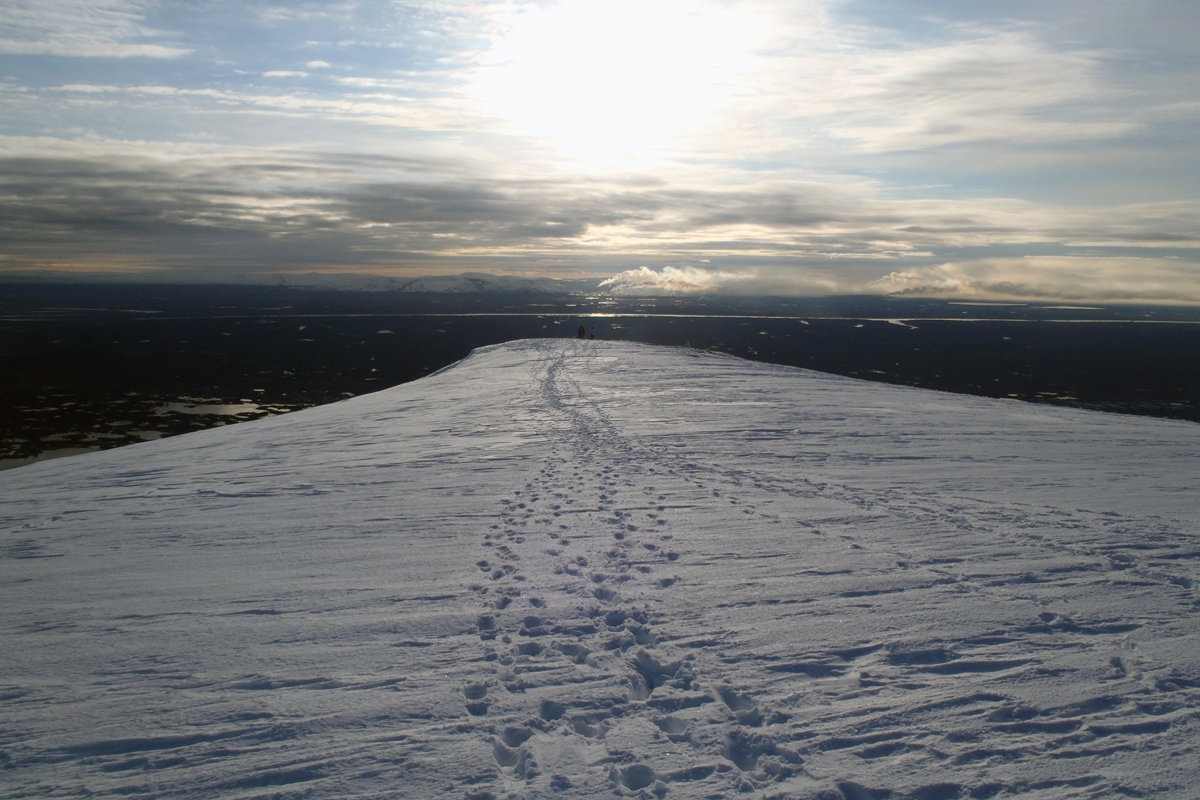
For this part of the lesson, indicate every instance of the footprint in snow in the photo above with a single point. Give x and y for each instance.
(476, 695)
(744, 709)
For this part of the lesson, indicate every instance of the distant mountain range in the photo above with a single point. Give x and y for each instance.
(464, 283)
(467, 282)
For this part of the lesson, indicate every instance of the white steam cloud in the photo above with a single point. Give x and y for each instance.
(697, 280)
(673, 280)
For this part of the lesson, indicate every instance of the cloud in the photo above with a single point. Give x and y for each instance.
(977, 85)
(281, 209)
(994, 86)
(83, 29)
(670, 280)
(239, 111)
(323, 12)
(931, 149)
(697, 280)
(1094, 278)
(284, 209)
(910, 93)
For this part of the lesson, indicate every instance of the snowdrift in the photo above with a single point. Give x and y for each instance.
(590, 569)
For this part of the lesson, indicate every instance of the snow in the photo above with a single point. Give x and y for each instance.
(590, 569)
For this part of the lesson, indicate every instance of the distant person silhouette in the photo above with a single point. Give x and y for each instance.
(582, 332)
(593, 336)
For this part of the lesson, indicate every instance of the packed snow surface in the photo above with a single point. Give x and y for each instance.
(587, 569)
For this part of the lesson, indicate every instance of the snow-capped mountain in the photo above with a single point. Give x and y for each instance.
(589, 569)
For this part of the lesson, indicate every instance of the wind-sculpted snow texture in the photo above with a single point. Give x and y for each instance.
(588, 569)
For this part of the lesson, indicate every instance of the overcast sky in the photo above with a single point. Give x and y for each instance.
(1042, 149)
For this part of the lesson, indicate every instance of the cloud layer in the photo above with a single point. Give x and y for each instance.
(817, 147)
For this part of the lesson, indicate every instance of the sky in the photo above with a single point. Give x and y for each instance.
(1018, 150)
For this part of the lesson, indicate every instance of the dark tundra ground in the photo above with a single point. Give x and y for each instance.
(90, 366)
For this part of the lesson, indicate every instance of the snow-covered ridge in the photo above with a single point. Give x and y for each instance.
(590, 569)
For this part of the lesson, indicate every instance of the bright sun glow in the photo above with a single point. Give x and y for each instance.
(614, 77)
